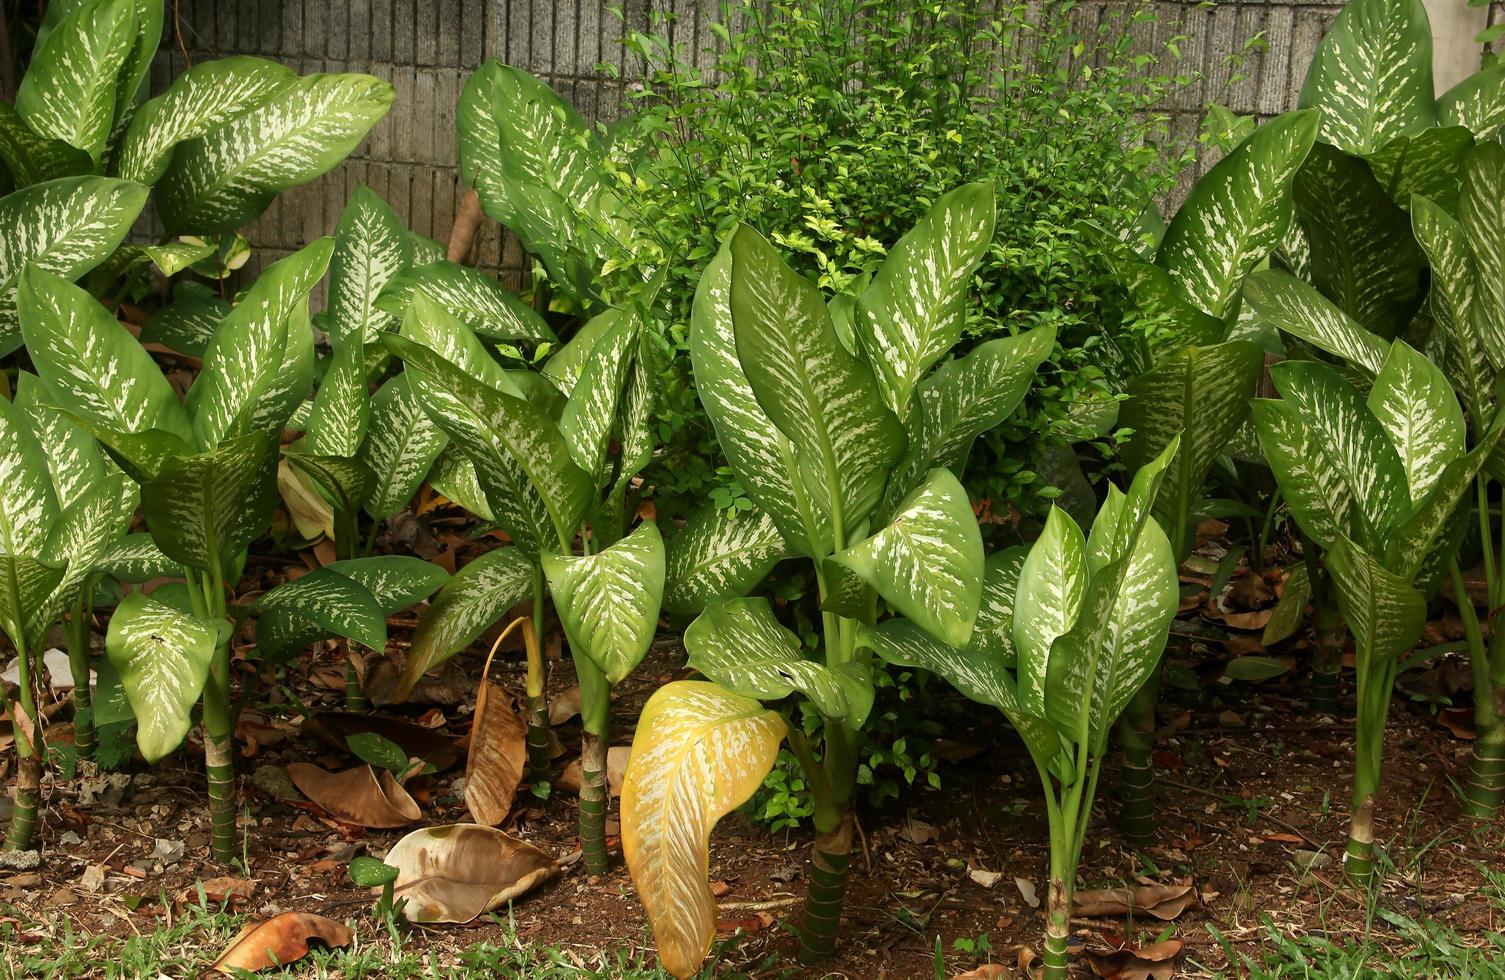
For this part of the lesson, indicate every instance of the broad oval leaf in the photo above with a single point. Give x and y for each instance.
(1048, 600)
(320, 605)
(825, 400)
(68, 92)
(396, 582)
(75, 461)
(229, 175)
(591, 413)
(913, 312)
(188, 323)
(477, 596)
(928, 561)
(1236, 213)
(456, 872)
(65, 226)
(342, 403)
(719, 555)
(162, 657)
(205, 508)
(1316, 490)
(371, 249)
(136, 558)
(741, 646)
(471, 296)
(204, 96)
(608, 602)
(429, 323)
(28, 502)
(1415, 404)
(32, 158)
(699, 753)
(1372, 75)
(1472, 356)
(401, 445)
(1429, 163)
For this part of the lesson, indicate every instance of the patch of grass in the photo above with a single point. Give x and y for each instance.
(1411, 950)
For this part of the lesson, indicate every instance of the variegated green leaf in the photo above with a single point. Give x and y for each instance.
(318, 606)
(136, 558)
(536, 492)
(1415, 404)
(162, 657)
(1316, 490)
(1383, 611)
(342, 404)
(1116, 644)
(470, 295)
(371, 249)
(25, 584)
(1472, 355)
(28, 502)
(246, 365)
(1477, 102)
(609, 601)
(1052, 585)
(1362, 254)
(741, 646)
(65, 226)
(80, 538)
(912, 313)
(590, 415)
(635, 423)
(69, 91)
(203, 97)
(91, 361)
(928, 562)
(479, 594)
(1372, 75)
(131, 82)
(396, 582)
(32, 158)
(1481, 216)
(428, 323)
(821, 397)
(1183, 323)
(1429, 163)
(719, 555)
(961, 400)
(401, 445)
(1201, 394)
(1427, 535)
(188, 323)
(1236, 214)
(760, 455)
(345, 482)
(231, 173)
(74, 459)
(1294, 307)
(1290, 612)
(204, 509)
(1348, 432)
(454, 478)
(567, 361)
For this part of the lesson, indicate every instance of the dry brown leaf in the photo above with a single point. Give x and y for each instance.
(984, 877)
(1027, 892)
(498, 753)
(563, 707)
(1161, 901)
(280, 940)
(363, 796)
(457, 872)
(1459, 721)
(418, 741)
(918, 831)
(226, 889)
(1153, 962)
(616, 768)
(988, 971)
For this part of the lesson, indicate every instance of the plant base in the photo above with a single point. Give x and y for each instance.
(1358, 859)
(23, 820)
(1484, 789)
(829, 859)
(538, 737)
(593, 803)
(1057, 930)
(219, 764)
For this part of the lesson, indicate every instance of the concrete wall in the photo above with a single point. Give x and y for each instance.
(426, 48)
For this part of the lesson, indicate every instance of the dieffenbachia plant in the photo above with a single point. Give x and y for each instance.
(538, 448)
(1376, 482)
(1067, 634)
(82, 148)
(1195, 380)
(63, 506)
(848, 441)
(207, 476)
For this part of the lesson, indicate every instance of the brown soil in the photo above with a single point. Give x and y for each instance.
(1249, 777)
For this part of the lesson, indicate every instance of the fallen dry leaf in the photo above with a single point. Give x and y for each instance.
(917, 831)
(1459, 721)
(363, 796)
(564, 707)
(457, 872)
(1027, 892)
(1161, 901)
(983, 877)
(418, 741)
(498, 752)
(988, 971)
(280, 940)
(225, 889)
(616, 768)
(1153, 962)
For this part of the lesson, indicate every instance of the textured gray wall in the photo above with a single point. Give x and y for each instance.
(426, 48)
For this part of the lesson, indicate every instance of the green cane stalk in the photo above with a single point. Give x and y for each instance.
(78, 634)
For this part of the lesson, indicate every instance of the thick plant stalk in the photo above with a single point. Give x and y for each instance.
(1057, 927)
(1136, 738)
(1484, 785)
(23, 820)
(355, 695)
(538, 707)
(219, 757)
(830, 857)
(593, 801)
(1330, 633)
(1376, 681)
(78, 635)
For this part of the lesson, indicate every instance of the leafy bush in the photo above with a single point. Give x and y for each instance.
(833, 127)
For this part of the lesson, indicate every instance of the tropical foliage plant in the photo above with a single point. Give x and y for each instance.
(807, 405)
(1069, 631)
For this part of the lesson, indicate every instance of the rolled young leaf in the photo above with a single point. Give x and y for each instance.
(162, 657)
(608, 602)
(699, 753)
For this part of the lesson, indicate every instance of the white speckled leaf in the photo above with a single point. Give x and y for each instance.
(913, 312)
(82, 535)
(1294, 307)
(203, 509)
(65, 226)
(342, 405)
(590, 415)
(1477, 102)
(1472, 357)
(1429, 163)
(699, 753)
(162, 657)
(230, 174)
(1316, 490)
(928, 561)
(1415, 404)
(1372, 75)
(32, 158)
(469, 294)
(1481, 216)
(396, 582)
(1236, 214)
(68, 92)
(136, 558)
(371, 249)
(609, 601)
(429, 323)
(1048, 600)
(719, 555)
(74, 459)
(741, 646)
(401, 444)
(320, 605)
(1384, 612)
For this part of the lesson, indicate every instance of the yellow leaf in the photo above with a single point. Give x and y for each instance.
(699, 753)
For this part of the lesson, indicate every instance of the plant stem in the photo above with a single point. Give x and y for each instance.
(78, 635)
(538, 702)
(1484, 787)
(23, 819)
(1327, 659)
(1057, 925)
(1136, 738)
(219, 757)
(1376, 681)
(595, 717)
(830, 857)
